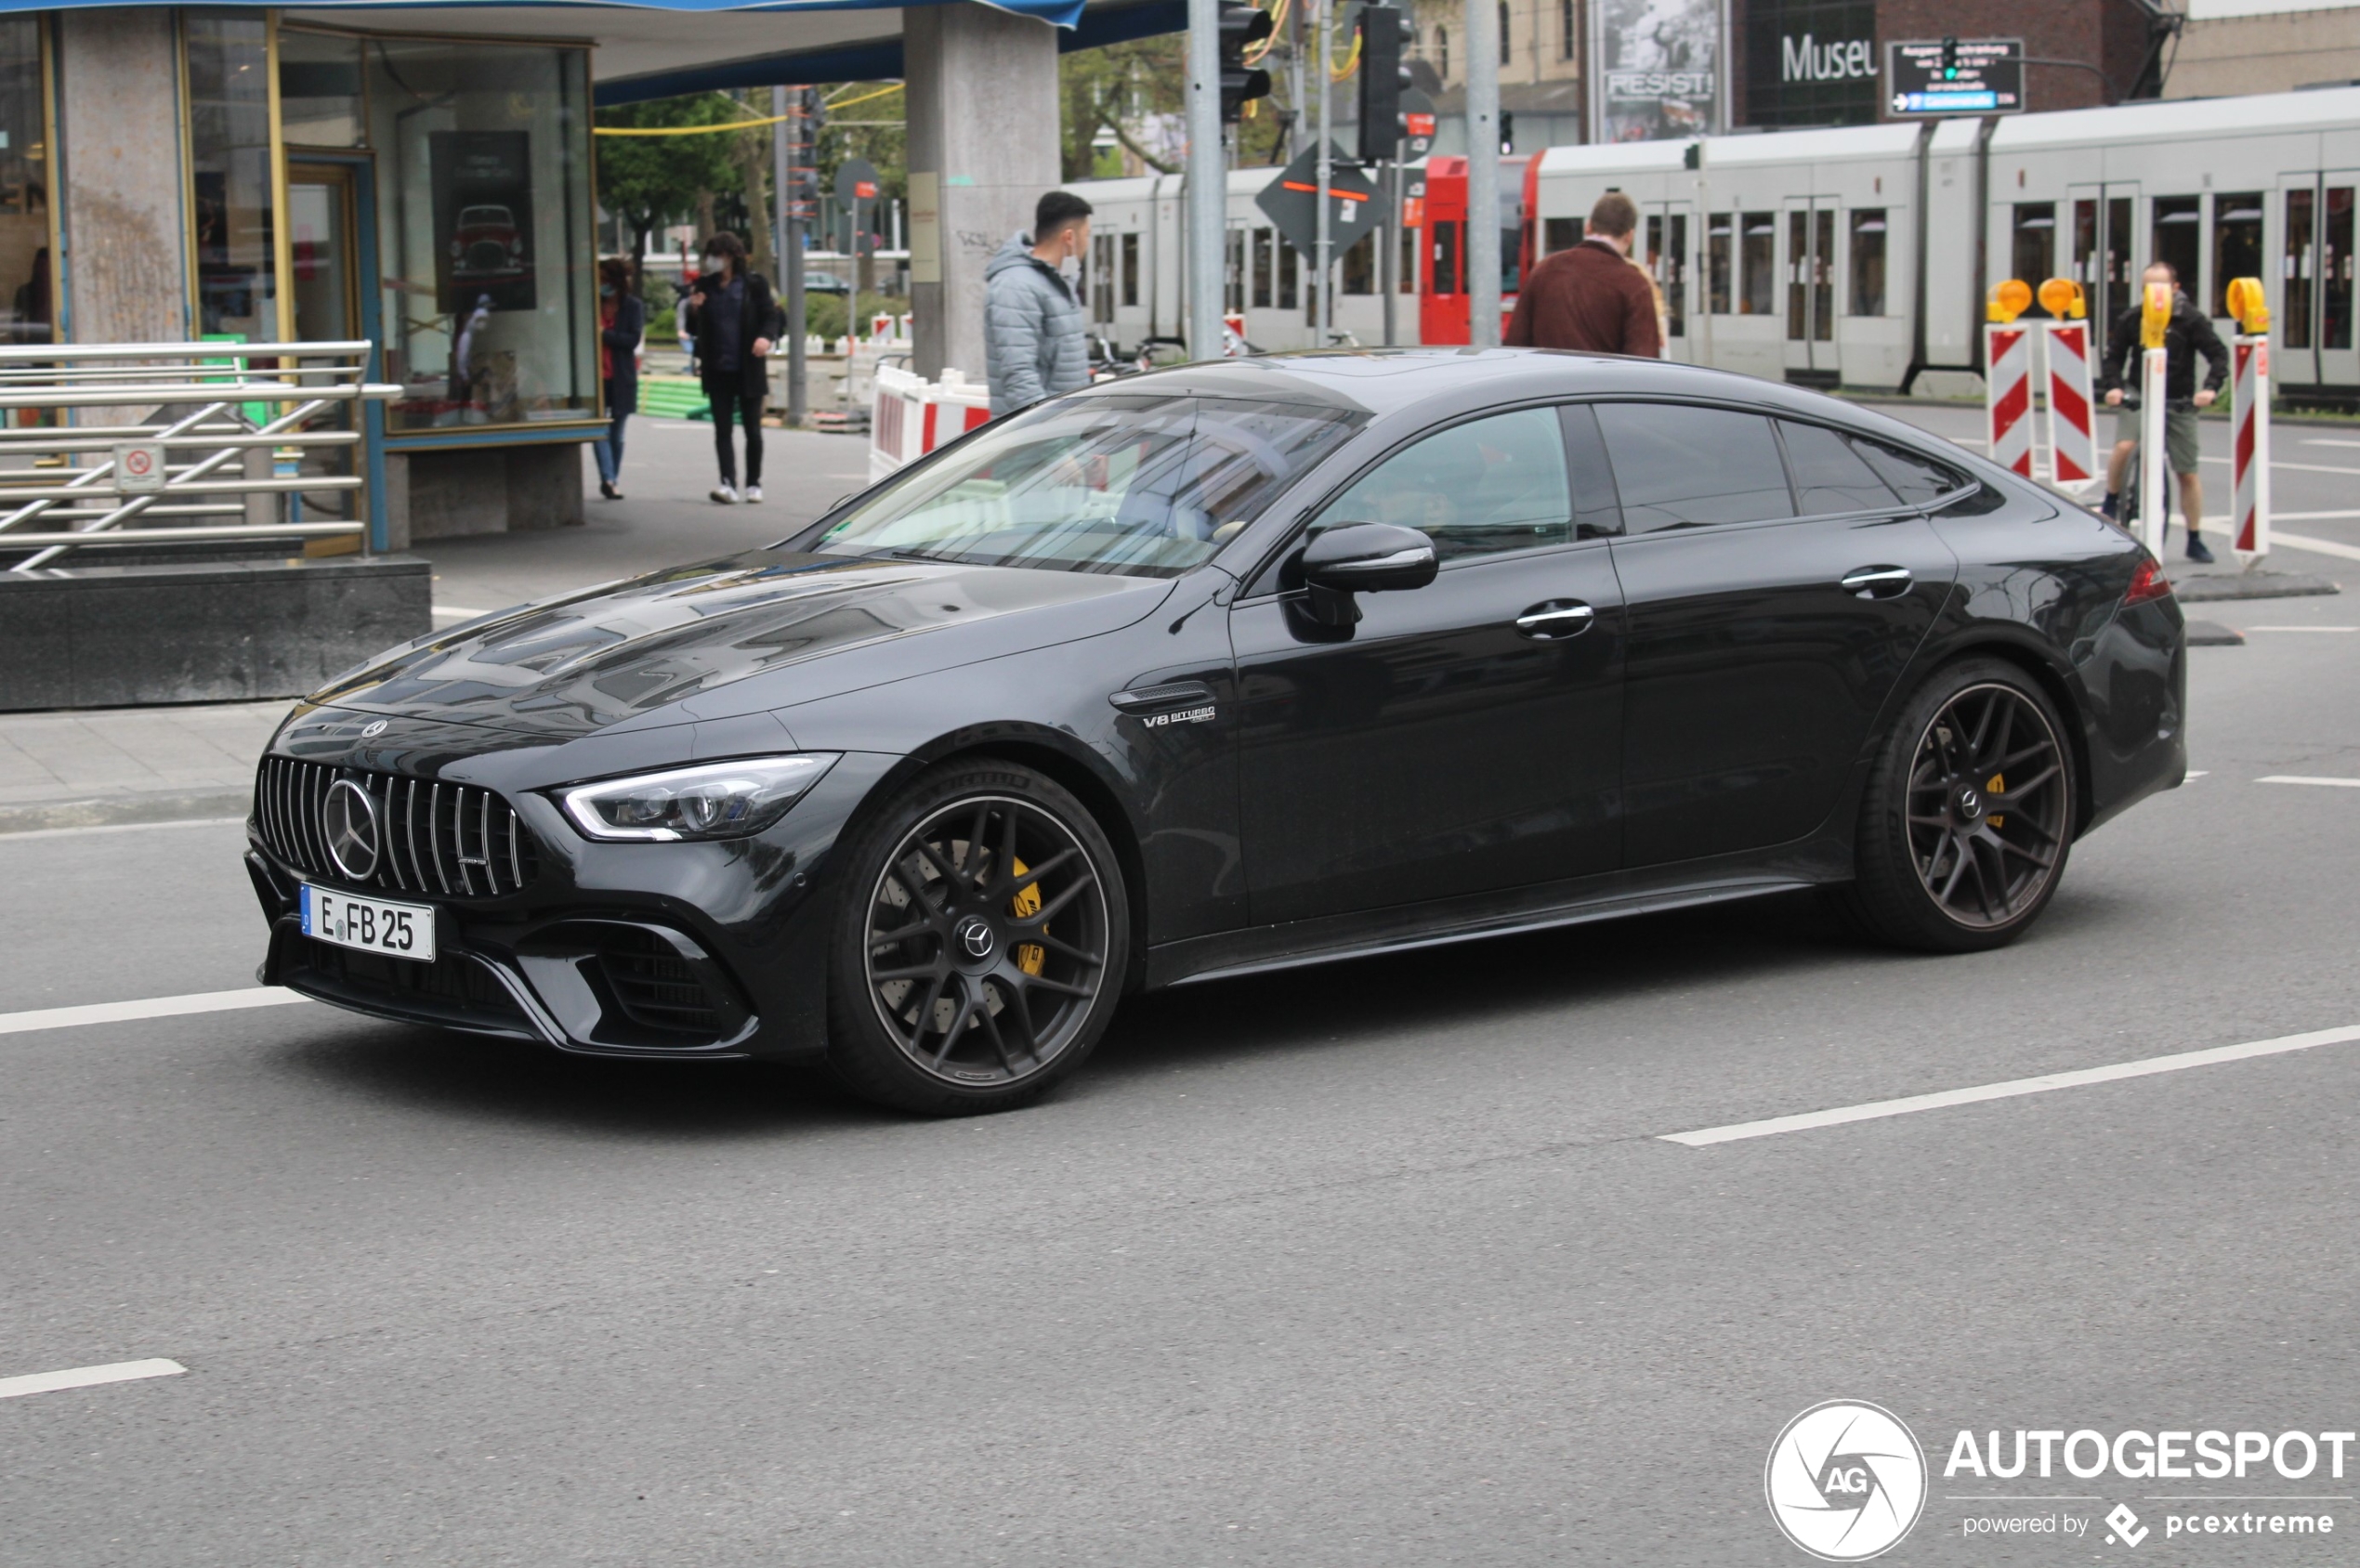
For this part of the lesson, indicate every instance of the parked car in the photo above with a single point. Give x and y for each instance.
(1220, 670)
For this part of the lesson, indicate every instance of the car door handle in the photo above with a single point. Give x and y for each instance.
(1878, 583)
(1155, 699)
(1557, 617)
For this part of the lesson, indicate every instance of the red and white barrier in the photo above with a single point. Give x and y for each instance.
(910, 416)
(2249, 448)
(2008, 396)
(2154, 473)
(2073, 436)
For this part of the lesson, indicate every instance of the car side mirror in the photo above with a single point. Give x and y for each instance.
(1362, 558)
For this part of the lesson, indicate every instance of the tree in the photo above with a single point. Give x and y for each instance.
(647, 179)
(1117, 87)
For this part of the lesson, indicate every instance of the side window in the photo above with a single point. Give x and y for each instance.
(1478, 488)
(1830, 476)
(1916, 479)
(1680, 466)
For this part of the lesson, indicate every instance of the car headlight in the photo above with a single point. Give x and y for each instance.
(709, 801)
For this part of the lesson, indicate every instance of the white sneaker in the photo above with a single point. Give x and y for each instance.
(725, 496)
(753, 494)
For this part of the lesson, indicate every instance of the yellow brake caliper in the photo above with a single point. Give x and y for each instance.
(1031, 956)
(1996, 786)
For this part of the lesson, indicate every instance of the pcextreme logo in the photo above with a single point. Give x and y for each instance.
(1846, 1481)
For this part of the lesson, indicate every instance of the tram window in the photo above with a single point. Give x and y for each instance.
(1131, 268)
(1446, 258)
(2179, 238)
(1797, 263)
(1559, 234)
(2335, 269)
(1360, 266)
(1408, 273)
(1287, 264)
(1867, 261)
(2033, 255)
(1716, 262)
(1671, 273)
(2237, 243)
(1262, 266)
(1102, 277)
(1823, 275)
(1233, 294)
(2299, 270)
(1758, 238)
(2085, 254)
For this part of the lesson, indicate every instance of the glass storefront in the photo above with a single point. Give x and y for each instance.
(28, 313)
(229, 166)
(484, 222)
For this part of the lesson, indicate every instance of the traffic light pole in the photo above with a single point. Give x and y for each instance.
(1207, 186)
(1321, 262)
(1483, 173)
(789, 248)
(1389, 236)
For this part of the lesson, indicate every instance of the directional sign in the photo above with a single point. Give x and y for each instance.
(139, 468)
(1417, 125)
(1986, 76)
(1292, 202)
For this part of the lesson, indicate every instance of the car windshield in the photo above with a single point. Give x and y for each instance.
(1144, 486)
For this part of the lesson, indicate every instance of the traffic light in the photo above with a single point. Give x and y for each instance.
(1241, 27)
(1950, 59)
(1385, 30)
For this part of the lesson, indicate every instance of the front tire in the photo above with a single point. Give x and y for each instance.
(980, 947)
(1968, 815)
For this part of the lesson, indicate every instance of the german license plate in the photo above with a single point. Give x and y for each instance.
(400, 931)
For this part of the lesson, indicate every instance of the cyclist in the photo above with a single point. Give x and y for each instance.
(2189, 333)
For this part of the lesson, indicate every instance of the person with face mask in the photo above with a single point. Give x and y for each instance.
(735, 320)
(623, 316)
(1035, 338)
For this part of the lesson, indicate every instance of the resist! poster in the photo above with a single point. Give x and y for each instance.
(1658, 64)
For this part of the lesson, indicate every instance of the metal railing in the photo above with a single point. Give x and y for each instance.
(196, 409)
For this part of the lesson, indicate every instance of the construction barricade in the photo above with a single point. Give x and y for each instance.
(910, 416)
(2154, 473)
(2249, 421)
(2007, 378)
(2073, 436)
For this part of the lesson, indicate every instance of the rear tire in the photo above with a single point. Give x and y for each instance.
(980, 945)
(1968, 817)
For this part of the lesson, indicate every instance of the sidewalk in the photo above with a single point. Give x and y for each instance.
(87, 768)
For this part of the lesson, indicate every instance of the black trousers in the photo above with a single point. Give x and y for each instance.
(731, 402)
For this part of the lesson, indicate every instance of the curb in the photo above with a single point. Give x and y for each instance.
(2211, 633)
(108, 811)
(2215, 588)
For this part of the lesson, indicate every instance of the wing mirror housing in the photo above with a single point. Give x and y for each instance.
(1363, 558)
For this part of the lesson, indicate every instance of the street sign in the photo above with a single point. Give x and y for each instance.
(855, 182)
(1955, 76)
(1417, 125)
(1292, 202)
(139, 468)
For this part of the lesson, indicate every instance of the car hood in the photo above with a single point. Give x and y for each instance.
(746, 633)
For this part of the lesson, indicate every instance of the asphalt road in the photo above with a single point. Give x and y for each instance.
(1382, 1263)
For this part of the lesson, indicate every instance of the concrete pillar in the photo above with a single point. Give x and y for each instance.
(126, 230)
(983, 109)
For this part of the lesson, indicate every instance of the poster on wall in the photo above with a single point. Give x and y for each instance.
(1659, 68)
(482, 221)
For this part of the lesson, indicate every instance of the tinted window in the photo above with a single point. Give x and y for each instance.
(1144, 486)
(1916, 479)
(1677, 467)
(1829, 475)
(1476, 489)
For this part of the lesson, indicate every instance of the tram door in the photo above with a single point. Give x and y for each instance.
(1809, 237)
(2339, 347)
(1668, 232)
(2104, 242)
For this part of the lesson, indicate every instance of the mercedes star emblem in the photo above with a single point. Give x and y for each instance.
(975, 935)
(349, 819)
(376, 729)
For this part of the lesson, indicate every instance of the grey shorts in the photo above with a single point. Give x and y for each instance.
(2179, 436)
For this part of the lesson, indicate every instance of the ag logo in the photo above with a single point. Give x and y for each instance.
(1846, 1481)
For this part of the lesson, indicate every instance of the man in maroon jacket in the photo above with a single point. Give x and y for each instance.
(1590, 297)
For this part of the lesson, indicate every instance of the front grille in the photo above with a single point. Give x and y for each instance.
(655, 986)
(456, 840)
(450, 986)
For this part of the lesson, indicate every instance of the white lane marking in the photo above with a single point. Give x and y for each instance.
(2316, 546)
(2304, 628)
(2013, 1087)
(154, 1007)
(2328, 441)
(459, 612)
(2199, 773)
(123, 828)
(2297, 468)
(2300, 779)
(88, 1376)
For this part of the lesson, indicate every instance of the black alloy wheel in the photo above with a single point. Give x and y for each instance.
(984, 943)
(1969, 816)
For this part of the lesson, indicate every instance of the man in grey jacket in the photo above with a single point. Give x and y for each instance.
(1035, 339)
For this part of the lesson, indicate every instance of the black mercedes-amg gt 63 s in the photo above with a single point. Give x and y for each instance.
(1221, 670)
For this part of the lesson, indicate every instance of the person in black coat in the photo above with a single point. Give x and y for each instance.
(736, 322)
(623, 317)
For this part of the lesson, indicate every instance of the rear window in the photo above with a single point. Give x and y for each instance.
(1680, 466)
(1916, 479)
(1143, 486)
(1830, 474)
